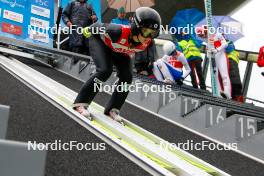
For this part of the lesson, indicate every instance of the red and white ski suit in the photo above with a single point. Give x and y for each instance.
(222, 64)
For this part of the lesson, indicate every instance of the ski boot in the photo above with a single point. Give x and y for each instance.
(225, 95)
(114, 114)
(84, 112)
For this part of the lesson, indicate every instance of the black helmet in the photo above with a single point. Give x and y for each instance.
(147, 18)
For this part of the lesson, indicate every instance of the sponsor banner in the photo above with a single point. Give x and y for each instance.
(12, 29)
(40, 11)
(39, 36)
(42, 3)
(14, 3)
(39, 23)
(17, 17)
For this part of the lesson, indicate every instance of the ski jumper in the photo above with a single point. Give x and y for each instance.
(234, 74)
(170, 68)
(222, 63)
(110, 48)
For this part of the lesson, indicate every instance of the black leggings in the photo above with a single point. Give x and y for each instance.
(196, 66)
(235, 78)
(104, 59)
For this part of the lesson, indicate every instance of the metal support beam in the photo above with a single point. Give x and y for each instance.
(247, 77)
(205, 67)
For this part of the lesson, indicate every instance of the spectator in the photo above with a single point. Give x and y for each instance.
(236, 84)
(190, 48)
(144, 60)
(78, 14)
(261, 58)
(121, 17)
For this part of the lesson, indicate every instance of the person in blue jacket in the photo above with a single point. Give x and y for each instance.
(121, 17)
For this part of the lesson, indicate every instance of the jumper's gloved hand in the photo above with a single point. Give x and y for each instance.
(149, 68)
(168, 81)
(86, 32)
(180, 81)
(145, 73)
(262, 73)
(214, 51)
(150, 65)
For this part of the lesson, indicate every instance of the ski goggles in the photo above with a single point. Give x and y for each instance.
(173, 53)
(149, 33)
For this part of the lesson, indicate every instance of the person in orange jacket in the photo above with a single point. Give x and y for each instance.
(261, 58)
